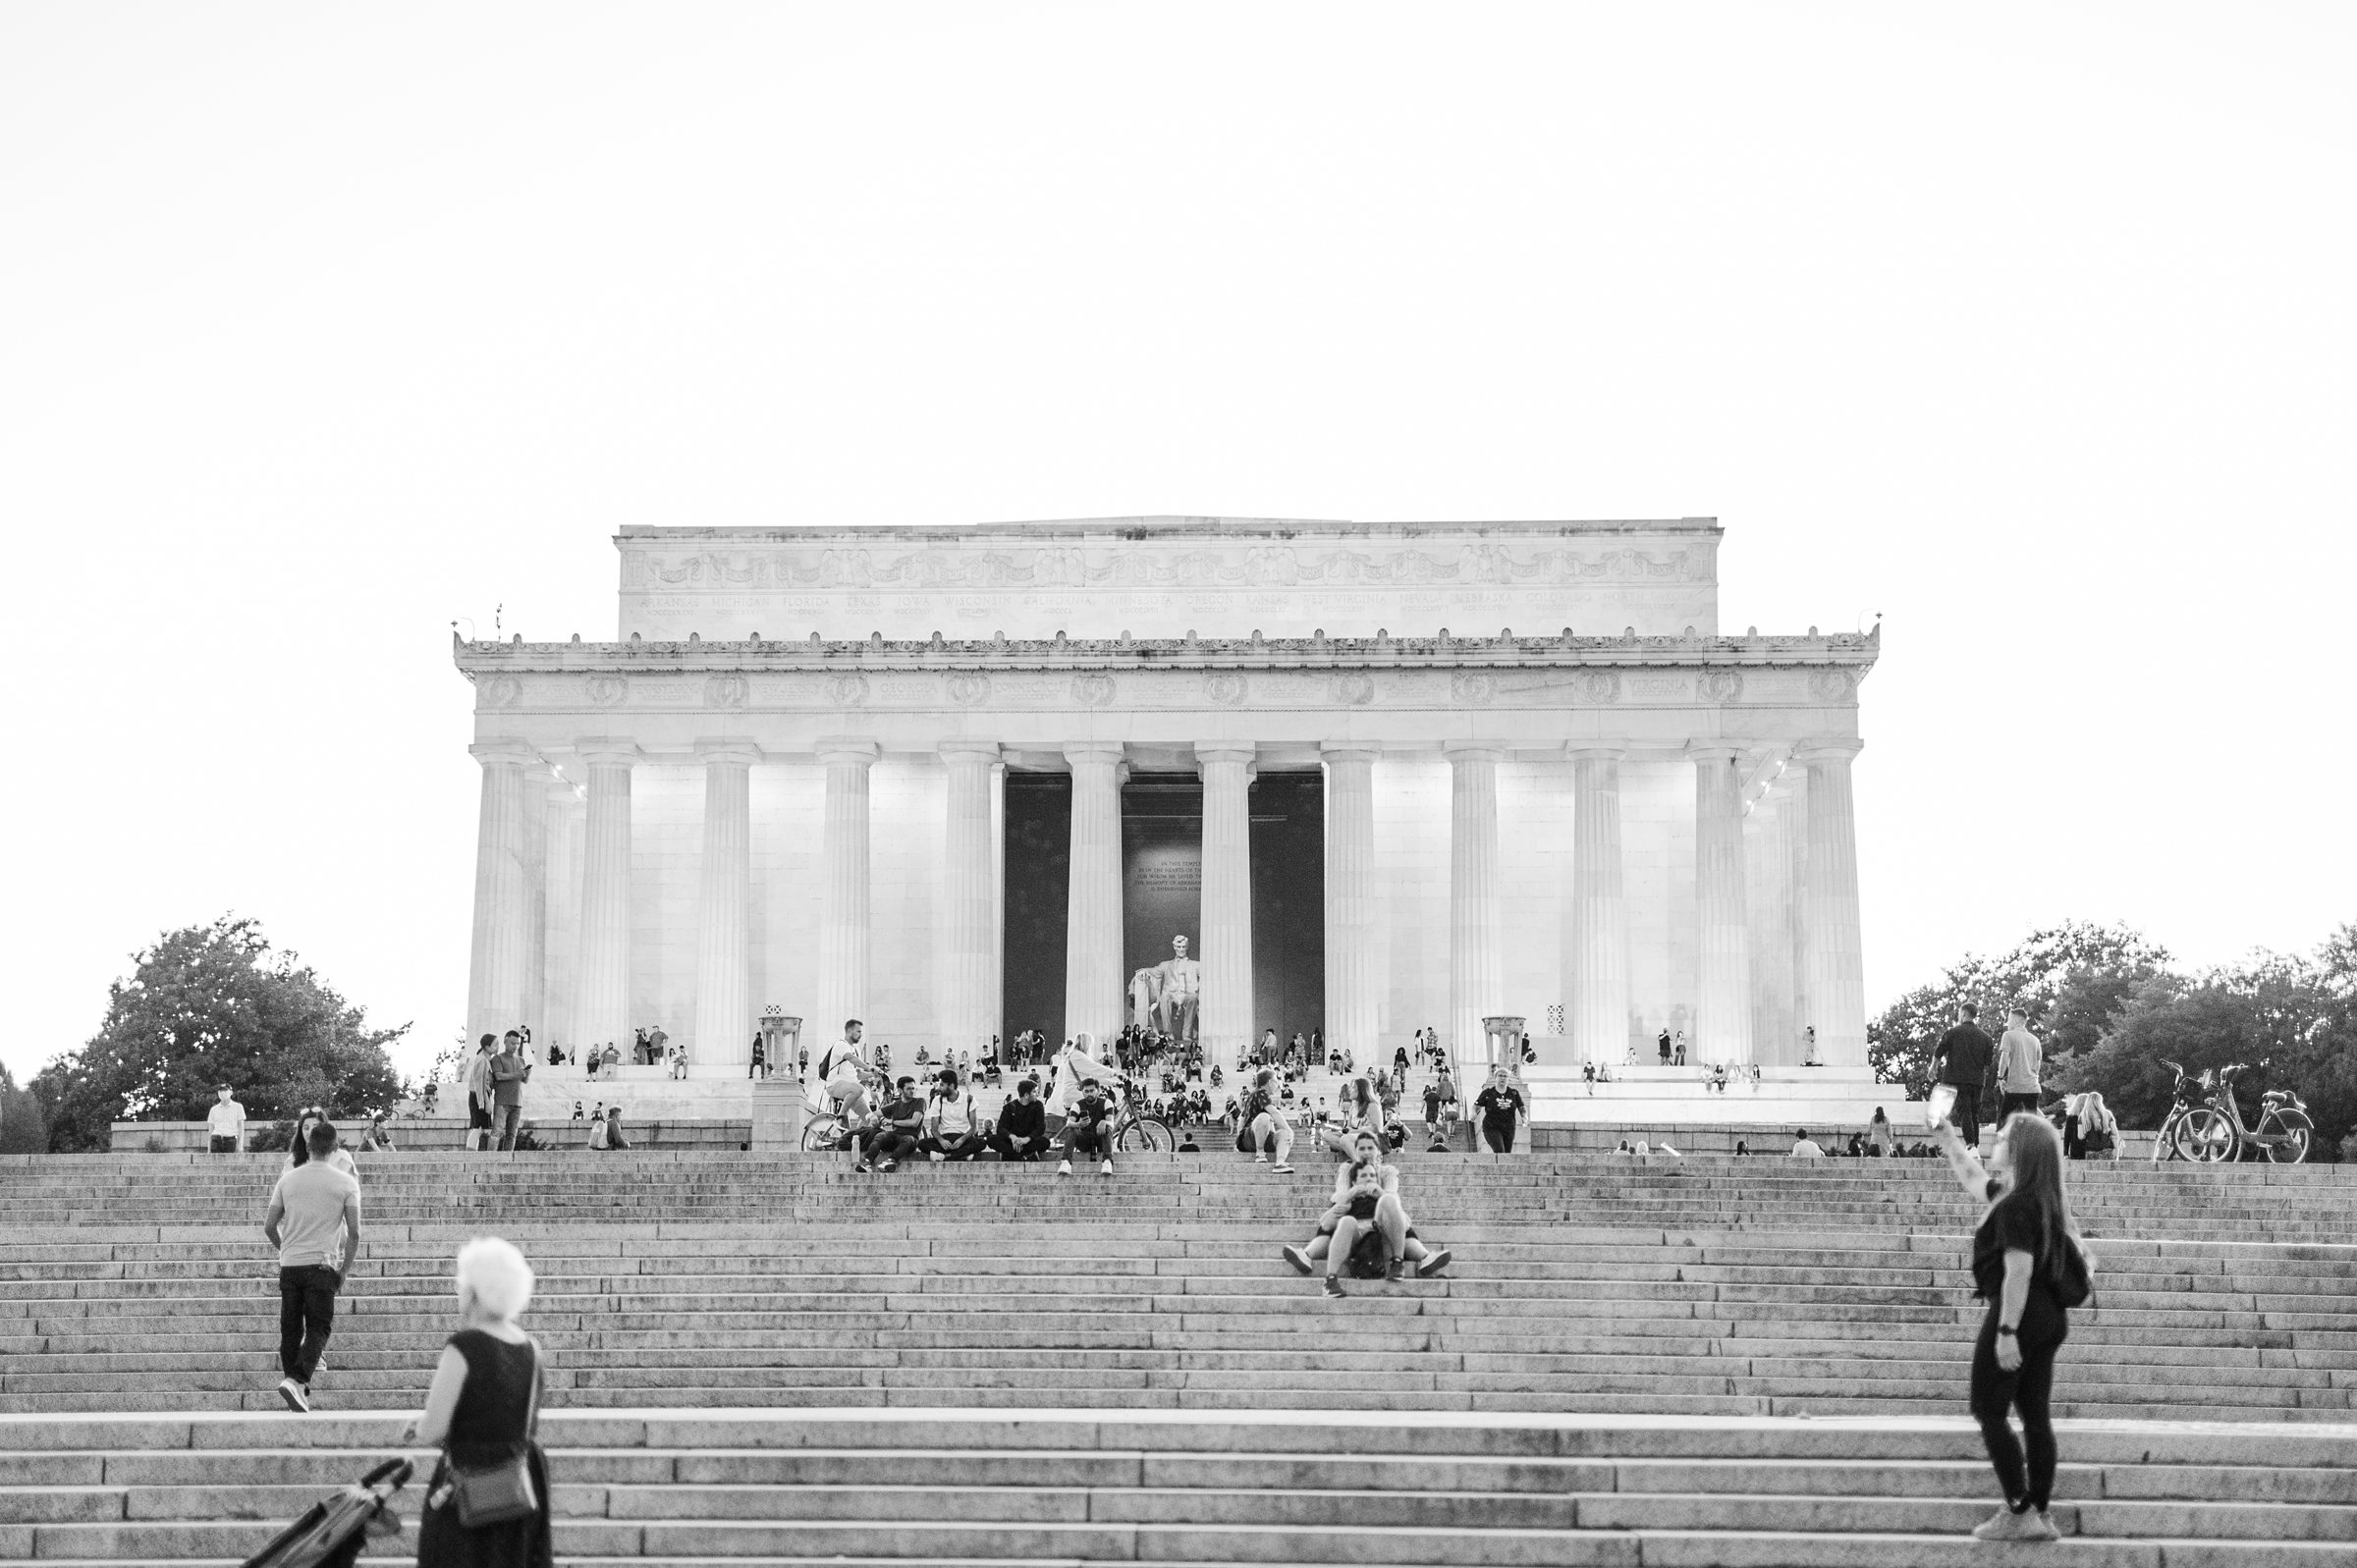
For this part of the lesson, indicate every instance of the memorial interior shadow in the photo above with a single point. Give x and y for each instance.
(1162, 891)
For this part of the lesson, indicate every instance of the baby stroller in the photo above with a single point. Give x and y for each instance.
(331, 1532)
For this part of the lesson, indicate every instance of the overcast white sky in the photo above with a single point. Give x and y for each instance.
(2028, 327)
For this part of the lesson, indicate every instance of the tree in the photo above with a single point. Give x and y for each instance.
(208, 1005)
(24, 1128)
(2286, 1019)
(2068, 978)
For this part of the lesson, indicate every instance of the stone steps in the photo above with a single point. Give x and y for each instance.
(942, 1487)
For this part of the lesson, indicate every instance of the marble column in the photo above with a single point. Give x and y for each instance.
(562, 827)
(1226, 769)
(1795, 958)
(1476, 968)
(495, 978)
(1722, 914)
(842, 893)
(1093, 911)
(1834, 954)
(969, 1002)
(1599, 960)
(1350, 927)
(601, 1009)
(1767, 888)
(724, 948)
(532, 1005)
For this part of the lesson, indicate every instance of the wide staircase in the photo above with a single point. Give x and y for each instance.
(1700, 1361)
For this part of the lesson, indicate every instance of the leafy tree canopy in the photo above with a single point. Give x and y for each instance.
(215, 1004)
(24, 1128)
(2069, 977)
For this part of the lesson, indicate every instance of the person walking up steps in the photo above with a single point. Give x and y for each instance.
(2019, 1059)
(1960, 1062)
(2028, 1265)
(314, 1214)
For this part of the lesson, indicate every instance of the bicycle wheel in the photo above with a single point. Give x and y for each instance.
(2208, 1135)
(2284, 1135)
(822, 1135)
(1147, 1135)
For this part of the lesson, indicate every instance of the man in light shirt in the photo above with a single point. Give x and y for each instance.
(2019, 1059)
(1804, 1147)
(314, 1215)
(225, 1121)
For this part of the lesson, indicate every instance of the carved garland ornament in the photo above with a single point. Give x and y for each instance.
(607, 692)
(502, 692)
(1351, 691)
(847, 691)
(1093, 690)
(1598, 686)
(727, 692)
(1722, 685)
(969, 689)
(1828, 685)
(1472, 689)
(1227, 687)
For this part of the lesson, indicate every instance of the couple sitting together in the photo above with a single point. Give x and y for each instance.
(1367, 1229)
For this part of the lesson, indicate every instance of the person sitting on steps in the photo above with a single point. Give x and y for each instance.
(1367, 1226)
(1266, 1131)
(1089, 1128)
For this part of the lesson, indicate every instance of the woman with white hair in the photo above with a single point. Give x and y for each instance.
(487, 1505)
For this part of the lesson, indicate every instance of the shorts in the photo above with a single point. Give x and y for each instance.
(845, 1088)
(478, 1114)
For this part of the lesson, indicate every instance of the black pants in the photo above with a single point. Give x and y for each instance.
(1032, 1148)
(966, 1146)
(2008, 1105)
(224, 1146)
(1498, 1133)
(1967, 1115)
(306, 1315)
(2028, 1389)
(1087, 1138)
(887, 1143)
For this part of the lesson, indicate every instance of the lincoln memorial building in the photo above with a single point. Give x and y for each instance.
(958, 782)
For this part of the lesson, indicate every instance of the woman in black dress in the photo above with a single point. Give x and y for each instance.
(482, 1411)
(2022, 1255)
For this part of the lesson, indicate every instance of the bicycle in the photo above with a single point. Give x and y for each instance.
(2214, 1131)
(824, 1130)
(1137, 1133)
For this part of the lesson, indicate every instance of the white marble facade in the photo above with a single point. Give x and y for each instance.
(1552, 780)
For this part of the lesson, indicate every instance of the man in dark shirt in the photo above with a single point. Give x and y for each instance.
(1088, 1129)
(1022, 1130)
(1960, 1061)
(895, 1136)
(509, 1071)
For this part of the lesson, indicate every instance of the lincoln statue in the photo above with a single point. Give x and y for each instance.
(1181, 993)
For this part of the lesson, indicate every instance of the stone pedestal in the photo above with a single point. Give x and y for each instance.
(777, 1112)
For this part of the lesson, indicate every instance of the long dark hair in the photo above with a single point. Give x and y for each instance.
(2034, 1178)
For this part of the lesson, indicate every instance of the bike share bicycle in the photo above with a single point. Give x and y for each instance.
(2205, 1121)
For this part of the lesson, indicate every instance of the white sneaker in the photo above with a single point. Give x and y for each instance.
(2006, 1525)
(1064, 1169)
(1260, 1159)
(1106, 1169)
(292, 1393)
(1282, 1168)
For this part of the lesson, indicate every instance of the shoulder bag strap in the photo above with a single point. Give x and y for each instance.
(531, 1408)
